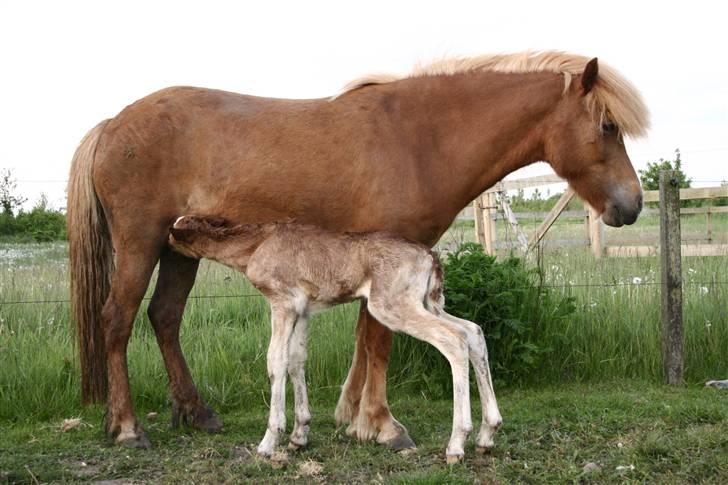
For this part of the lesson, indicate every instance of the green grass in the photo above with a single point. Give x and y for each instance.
(558, 418)
(549, 434)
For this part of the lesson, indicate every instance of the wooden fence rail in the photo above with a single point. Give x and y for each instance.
(485, 211)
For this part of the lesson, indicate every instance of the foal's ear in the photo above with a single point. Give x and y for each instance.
(181, 234)
(589, 77)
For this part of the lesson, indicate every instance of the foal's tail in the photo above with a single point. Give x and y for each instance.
(435, 299)
(92, 264)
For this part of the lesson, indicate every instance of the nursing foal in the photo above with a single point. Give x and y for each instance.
(302, 269)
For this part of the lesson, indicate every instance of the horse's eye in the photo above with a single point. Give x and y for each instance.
(608, 128)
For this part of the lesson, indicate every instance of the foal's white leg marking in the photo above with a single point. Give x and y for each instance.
(283, 321)
(297, 370)
(491, 417)
(410, 316)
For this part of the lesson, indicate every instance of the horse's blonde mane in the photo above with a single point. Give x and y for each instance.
(613, 97)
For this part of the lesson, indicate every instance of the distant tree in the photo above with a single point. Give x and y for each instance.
(8, 198)
(650, 177)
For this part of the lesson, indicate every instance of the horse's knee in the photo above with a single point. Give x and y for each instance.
(164, 320)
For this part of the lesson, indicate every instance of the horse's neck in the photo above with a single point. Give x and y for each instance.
(487, 125)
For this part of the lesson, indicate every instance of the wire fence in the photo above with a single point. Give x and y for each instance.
(565, 286)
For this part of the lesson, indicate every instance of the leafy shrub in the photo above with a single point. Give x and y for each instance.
(506, 299)
(41, 224)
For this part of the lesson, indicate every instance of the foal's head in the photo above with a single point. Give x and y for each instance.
(189, 234)
(585, 142)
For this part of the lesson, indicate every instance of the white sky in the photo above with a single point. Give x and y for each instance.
(66, 65)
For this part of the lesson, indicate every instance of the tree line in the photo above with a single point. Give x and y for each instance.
(41, 223)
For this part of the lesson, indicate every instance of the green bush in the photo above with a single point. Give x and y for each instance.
(41, 224)
(506, 299)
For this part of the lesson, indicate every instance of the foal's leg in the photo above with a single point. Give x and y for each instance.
(176, 277)
(134, 267)
(491, 417)
(403, 315)
(282, 322)
(297, 371)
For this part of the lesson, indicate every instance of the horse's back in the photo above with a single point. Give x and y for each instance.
(186, 150)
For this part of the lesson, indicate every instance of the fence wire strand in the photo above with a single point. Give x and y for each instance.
(704, 284)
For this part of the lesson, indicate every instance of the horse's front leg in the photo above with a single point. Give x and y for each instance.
(373, 419)
(297, 371)
(283, 320)
(175, 280)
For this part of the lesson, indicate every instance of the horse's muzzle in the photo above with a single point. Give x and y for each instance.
(621, 211)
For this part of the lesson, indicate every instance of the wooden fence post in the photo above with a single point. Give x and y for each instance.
(489, 228)
(672, 317)
(596, 232)
(478, 217)
(709, 223)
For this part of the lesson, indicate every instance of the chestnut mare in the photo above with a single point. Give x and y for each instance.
(403, 155)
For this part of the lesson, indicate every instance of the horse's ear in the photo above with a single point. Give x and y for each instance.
(589, 77)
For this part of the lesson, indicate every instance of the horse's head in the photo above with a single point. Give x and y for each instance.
(585, 143)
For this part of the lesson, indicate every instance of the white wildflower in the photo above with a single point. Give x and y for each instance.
(703, 290)
(636, 280)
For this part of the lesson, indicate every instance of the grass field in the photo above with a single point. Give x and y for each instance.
(655, 434)
(613, 338)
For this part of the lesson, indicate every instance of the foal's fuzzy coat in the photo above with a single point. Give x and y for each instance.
(302, 269)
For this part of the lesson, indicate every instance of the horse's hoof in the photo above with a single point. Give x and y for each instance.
(453, 459)
(202, 418)
(407, 452)
(140, 441)
(483, 450)
(211, 424)
(401, 442)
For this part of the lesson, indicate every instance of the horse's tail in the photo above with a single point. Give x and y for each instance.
(91, 265)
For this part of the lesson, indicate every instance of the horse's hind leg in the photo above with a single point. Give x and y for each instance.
(176, 277)
(134, 267)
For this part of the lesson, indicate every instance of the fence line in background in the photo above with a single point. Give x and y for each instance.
(565, 286)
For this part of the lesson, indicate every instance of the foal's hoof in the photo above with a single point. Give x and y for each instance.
(453, 459)
(295, 446)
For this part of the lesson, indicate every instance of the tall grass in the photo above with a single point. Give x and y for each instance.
(615, 333)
